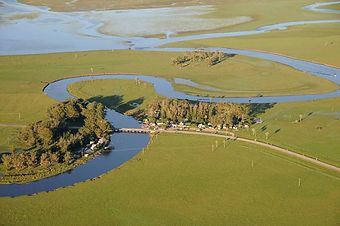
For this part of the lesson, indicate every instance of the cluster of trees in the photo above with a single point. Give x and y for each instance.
(69, 125)
(218, 114)
(198, 56)
(23, 160)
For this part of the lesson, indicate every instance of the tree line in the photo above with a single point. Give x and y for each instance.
(69, 126)
(218, 114)
(198, 56)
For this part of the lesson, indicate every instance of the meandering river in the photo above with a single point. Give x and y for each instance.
(14, 41)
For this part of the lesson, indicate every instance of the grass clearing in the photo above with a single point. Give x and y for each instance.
(187, 184)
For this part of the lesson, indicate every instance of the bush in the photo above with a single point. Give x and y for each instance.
(211, 58)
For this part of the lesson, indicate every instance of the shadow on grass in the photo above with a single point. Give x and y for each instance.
(116, 102)
(256, 109)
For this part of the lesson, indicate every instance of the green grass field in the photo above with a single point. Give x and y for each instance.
(320, 43)
(188, 184)
(23, 77)
(178, 179)
(21, 89)
(305, 137)
(317, 134)
(116, 94)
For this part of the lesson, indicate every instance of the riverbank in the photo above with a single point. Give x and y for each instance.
(29, 176)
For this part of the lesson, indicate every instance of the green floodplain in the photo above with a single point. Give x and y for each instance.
(318, 43)
(150, 205)
(33, 72)
(304, 137)
(188, 183)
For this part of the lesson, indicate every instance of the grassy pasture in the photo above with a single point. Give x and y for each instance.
(188, 184)
(316, 135)
(23, 77)
(320, 43)
(117, 94)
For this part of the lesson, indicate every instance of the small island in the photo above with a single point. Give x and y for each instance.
(201, 56)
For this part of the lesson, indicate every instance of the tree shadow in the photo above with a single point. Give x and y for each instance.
(263, 128)
(306, 117)
(230, 55)
(131, 105)
(256, 109)
(116, 102)
(276, 131)
(108, 101)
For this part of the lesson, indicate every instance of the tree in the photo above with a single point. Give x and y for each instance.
(68, 157)
(300, 117)
(19, 161)
(54, 158)
(45, 160)
(12, 149)
(267, 135)
(45, 135)
(31, 159)
(254, 132)
(54, 139)
(7, 161)
(27, 135)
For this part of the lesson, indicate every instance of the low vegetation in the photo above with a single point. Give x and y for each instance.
(60, 139)
(21, 16)
(199, 56)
